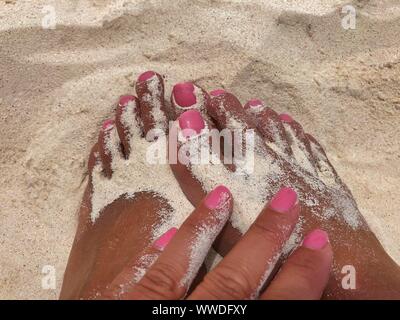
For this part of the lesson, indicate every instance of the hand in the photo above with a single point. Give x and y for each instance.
(248, 267)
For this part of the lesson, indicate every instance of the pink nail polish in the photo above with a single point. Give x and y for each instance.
(217, 92)
(284, 200)
(183, 94)
(191, 122)
(217, 197)
(146, 76)
(253, 103)
(285, 117)
(316, 239)
(165, 238)
(124, 100)
(108, 124)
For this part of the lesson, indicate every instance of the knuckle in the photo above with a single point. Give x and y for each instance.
(228, 281)
(306, 268)
(160, 281)
(269, 232)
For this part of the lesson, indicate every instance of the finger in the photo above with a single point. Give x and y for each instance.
(172, 274)
(305, 274)
(242, 273)
(150, 91)
(122, 285)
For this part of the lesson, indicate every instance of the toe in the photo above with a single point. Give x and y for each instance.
(150, 91)
(227, 111)
(269, 125)
(326, 171)
(186, 96)
(108, 143)
(127, 121)
(299, 143)
(93, 158)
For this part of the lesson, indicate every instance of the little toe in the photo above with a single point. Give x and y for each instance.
(299, 143)
(150, 91)
(186, 96)
(128, 121)
(94, 158)
(108, 146)
(269, 125)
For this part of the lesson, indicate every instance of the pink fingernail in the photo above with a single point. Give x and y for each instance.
(217, 92)
(146, 76)
(183, 94)
(191, 122)
(284, 200)
(108, 124)
(316, 239)
(217, 197)
(124, 100)
(165, 238)
(285, 117)
(253, 103)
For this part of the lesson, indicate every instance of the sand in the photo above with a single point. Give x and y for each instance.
(56, 86)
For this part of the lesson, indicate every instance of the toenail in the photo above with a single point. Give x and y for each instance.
(254, 103)
(146, 76)
(284, 200)
(124, 100)
(217, 92)
(316, 239)
(217, 198)
(183, 94)
(108, 124)
(165, 238)
(191, 122)
(285, 117)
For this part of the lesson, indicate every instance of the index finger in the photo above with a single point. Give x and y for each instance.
(172, 274)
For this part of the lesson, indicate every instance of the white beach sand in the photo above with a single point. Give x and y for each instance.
(56, 86)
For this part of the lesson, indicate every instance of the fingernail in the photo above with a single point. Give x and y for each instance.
(253, 103)
(108, 124)
(284, 200)
(285, 117)
(165, 238)
(124, 100)
(217, 197)
(191, 122)
(146, 76)
(183, 94)
(316, 239)
(217, 92)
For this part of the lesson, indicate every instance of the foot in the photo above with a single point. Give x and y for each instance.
(284, 155)
(128, 201)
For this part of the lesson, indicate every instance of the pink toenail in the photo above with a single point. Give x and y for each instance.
(316, 239)
(217, 197)
(183, 94)
(108, 124)
(285, 117)
(217, 92)
(255, 103)
(191, 122)
(124, 100)
(284, 200)
(165, 238)
(146, 76)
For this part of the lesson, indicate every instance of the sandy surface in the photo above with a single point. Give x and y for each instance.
(56, 86)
